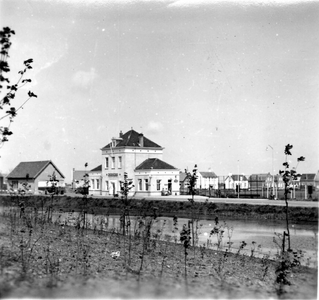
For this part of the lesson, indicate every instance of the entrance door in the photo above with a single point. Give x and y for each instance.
(113, 189)
(169, 186)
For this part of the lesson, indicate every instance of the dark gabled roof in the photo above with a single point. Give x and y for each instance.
(155, 164)
(78, 174)
(98, 168)
(182, 176)
(32, 168)
(308, 176)
(131, 139)
(261, 176)
(208, 174)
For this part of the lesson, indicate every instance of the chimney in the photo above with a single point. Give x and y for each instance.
(141, 139)
(121, 133)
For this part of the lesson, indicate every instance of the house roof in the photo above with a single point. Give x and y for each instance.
(78, 174)
(131, 139)
(235, 177)
(155, 164)
(262, 176)
(32, 168)
(182, 176)
(308, 176)
(208, 174)
(98, 168)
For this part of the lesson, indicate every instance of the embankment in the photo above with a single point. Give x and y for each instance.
(164, 208)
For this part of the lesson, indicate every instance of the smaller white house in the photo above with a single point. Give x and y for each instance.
(153, 177)
(232, 181)
(207, 180)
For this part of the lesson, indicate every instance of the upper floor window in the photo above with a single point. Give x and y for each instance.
(113, 162)
(120, 162)
(106, 162)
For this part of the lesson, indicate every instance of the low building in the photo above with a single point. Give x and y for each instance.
(78, 177)
(36, 174)
(309, 183)
(257, 181)
(310, 179)
(234, 180)
(207, 180)
(154, 177)
(3, 182)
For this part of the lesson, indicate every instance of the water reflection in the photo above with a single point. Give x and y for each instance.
(258, 235)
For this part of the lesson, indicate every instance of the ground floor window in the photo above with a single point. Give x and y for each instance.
(146, 184)
(169, 185)
(14, 185)
(158, 184)
(140, 187)
(97, 184)
(106, 185)
(93, 187)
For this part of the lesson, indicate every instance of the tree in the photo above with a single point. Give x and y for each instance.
(192, 179)
(289, 176)
(9, 112)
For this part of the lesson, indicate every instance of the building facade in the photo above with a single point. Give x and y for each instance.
(207, 180)
(125, 154)
(232, 181)
(36, 174)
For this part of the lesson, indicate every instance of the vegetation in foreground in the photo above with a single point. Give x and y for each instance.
(41, 258)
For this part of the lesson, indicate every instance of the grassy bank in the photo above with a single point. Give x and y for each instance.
(181, 209)
(44, 259)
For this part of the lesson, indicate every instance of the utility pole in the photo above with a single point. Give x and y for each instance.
(238, 180)
(272, 168)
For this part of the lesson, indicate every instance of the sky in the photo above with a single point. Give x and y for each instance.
(221, 84)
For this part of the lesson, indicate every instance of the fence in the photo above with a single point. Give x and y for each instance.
(256, 189)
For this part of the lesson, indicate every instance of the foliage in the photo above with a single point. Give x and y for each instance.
(9, 95)
(289, 177)
(191, 184)
(287, 258)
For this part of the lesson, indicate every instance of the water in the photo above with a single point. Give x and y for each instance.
(258, 235)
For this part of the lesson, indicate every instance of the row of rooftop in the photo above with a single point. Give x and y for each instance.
(142, 160)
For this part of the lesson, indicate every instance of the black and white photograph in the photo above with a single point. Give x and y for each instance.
(159, 149)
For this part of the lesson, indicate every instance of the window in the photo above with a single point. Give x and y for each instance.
(146, 184)
(113, 162)
(140, 185)
(92, 184)
(97, 184)
(158, 184)
(120, 162)
(106, 185)
(106, 162)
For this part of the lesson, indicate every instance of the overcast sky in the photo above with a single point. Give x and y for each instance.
(213, 82)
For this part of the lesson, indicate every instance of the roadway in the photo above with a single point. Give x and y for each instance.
(221, 200)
